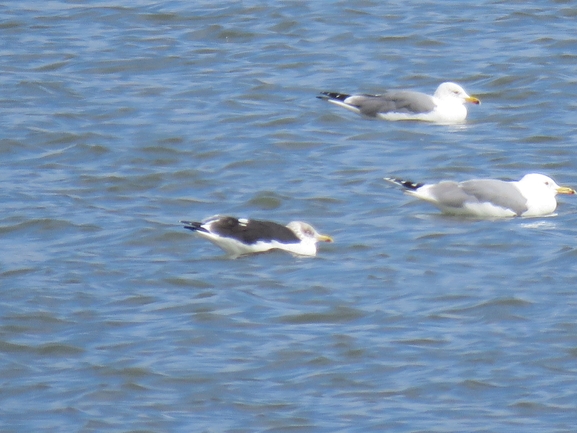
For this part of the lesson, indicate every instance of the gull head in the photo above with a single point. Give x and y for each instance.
(541, 184)
(306, 232)
(448, 91)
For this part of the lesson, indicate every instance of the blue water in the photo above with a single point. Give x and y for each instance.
(119, 120)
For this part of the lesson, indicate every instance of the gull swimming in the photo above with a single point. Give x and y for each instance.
(239, 236)
(533, 195)
(447, 105)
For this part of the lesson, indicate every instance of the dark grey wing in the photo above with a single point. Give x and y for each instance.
(497, 192)
(253, 231)
(395, 101)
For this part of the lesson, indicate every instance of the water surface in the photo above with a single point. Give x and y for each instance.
(119, 120)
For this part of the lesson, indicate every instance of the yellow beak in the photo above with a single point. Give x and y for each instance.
(565, 190)
(473, 100)
(324, 238)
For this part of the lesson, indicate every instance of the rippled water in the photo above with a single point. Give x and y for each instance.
(118, 120)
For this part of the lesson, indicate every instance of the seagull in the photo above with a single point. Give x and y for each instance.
(447, 105)
(533, 195)
(239, 236)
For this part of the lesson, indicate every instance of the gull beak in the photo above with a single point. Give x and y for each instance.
(324, 238)
(472, 100)
(565, 190)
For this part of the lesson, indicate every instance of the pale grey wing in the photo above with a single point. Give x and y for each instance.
(450, 194)
(395, 101)
(497, 192)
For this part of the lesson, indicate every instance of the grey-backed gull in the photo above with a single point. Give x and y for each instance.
(447, 105)
(238, 236)
(534, 195)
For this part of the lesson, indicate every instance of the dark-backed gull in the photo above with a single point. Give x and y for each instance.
(447, 105)
(534, 195)
(238, 236)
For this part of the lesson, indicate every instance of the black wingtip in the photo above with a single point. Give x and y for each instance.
(193, 225)
(333, 95)
(404, 183)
